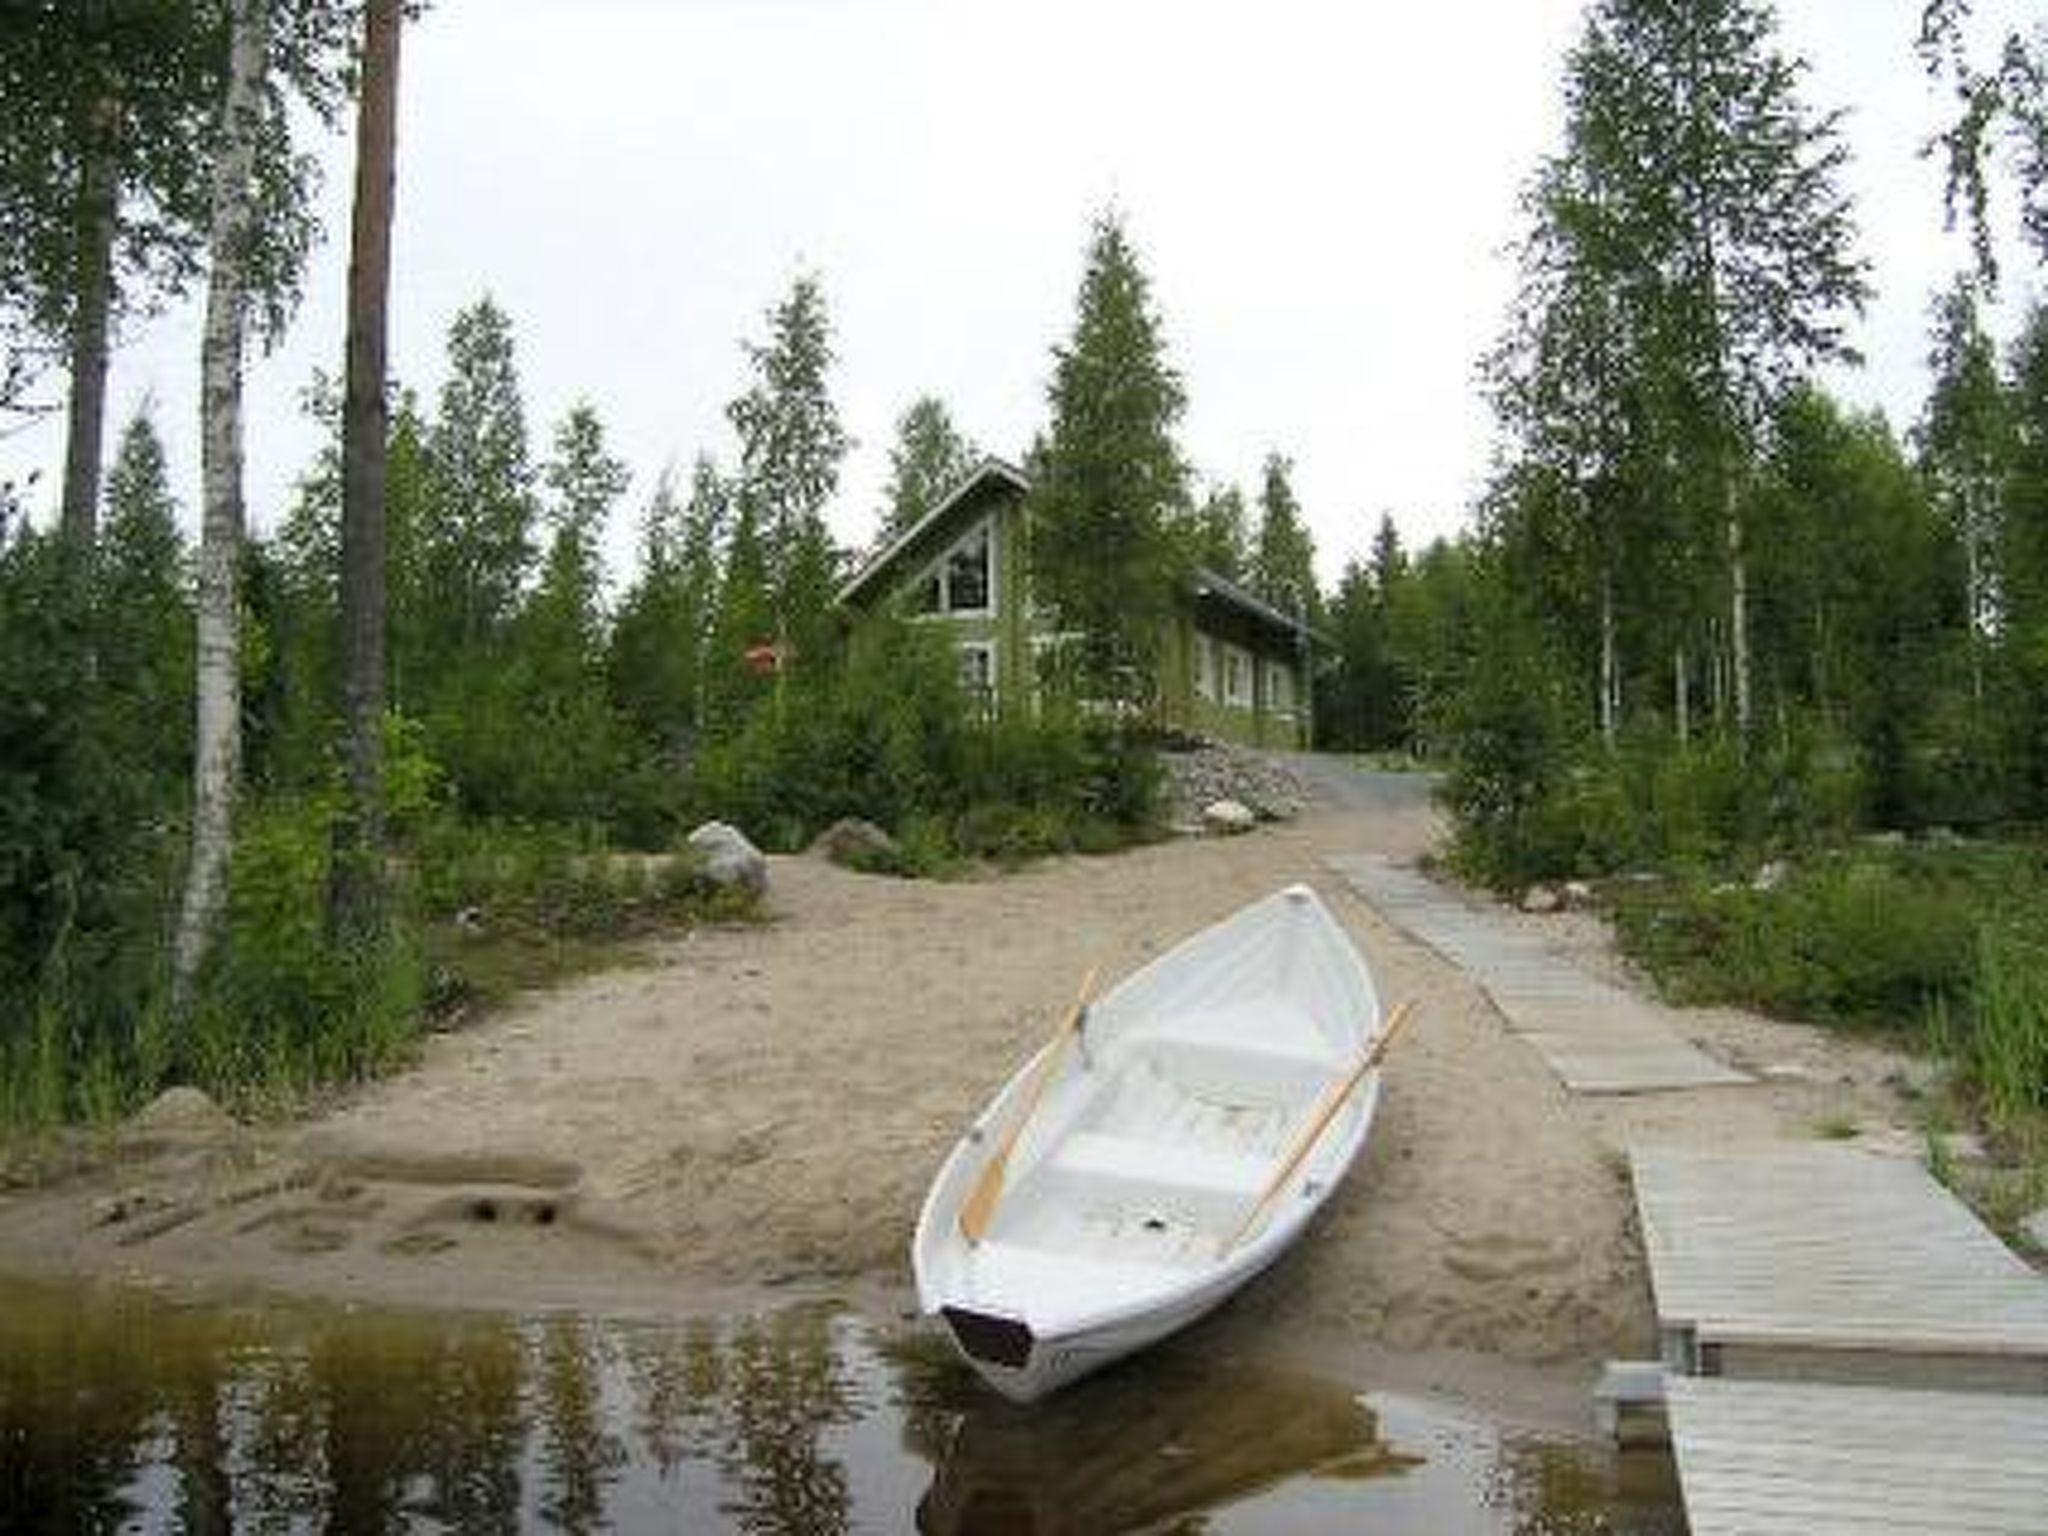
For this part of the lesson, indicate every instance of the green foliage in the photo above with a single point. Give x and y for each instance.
(1847, 940)
(791, 446)
(1107, 480)
(929, 459)
(1213, 536)
(1283, 560)
(1999, 1032)
(892, 740)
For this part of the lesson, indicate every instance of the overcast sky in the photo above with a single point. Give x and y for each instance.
(1321, 193)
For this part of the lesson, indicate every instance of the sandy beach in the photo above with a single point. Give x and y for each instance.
(756, 1110)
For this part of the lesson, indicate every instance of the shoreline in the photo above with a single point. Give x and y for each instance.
(746, 1118)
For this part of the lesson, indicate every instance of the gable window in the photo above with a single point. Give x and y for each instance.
(967, 574)
(961, 581)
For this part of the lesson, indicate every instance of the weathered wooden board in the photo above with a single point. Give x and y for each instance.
(1802, 1250)
(1758, 1458)
(1597, 1038)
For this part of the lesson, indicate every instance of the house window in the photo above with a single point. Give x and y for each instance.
(1205, 667)
(978, 673)
(961, 581)
(967, 574)
(1237, 678)
(1279, 689)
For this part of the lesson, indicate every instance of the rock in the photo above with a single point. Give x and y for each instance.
(1786, 1072)
(1884, 839)
(1226, 817)
(728, 859)
(1198, 774)
(180, 1112)
(1540, 899)
(856, 843)
(1770, 876)
(1577, 895)
(2035, 1228)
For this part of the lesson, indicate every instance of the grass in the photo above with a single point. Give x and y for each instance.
(1937, 948)
(285, 1016)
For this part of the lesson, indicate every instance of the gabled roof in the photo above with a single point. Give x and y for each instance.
(990, 469)
(1206, 583)
(1001, 473)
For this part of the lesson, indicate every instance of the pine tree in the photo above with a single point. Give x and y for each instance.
(1283, 566)
(1107, 480)
(928, 461)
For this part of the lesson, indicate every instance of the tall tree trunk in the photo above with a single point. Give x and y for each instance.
(357, 900)
(218, 759)
(1738, 602)
(91, 318)
(1610, 681)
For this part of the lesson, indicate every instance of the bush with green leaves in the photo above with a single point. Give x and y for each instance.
(891, 738)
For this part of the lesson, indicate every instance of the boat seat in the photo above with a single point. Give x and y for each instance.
(1048, 1286)
(1134, 1160)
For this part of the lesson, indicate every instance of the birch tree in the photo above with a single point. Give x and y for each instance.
(218, 742)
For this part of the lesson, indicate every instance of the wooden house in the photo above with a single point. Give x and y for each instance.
(1232, 667)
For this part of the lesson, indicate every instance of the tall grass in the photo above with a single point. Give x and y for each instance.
(2003, 1049)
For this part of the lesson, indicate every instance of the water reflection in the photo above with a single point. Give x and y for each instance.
(119, 1413)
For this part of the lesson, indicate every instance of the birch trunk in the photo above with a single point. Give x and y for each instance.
(86, 408)
(357, 906)
(1680, 704)
(1610, 682)
(218, 759)
(1738, 603)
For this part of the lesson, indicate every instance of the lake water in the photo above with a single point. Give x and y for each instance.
(122, 1412)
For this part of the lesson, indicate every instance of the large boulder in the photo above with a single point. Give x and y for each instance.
(1225, 817)
(181, 1111)
(857, 844)
(728, 859)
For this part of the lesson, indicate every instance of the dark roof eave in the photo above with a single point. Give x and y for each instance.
(990, 467)
(1206, 583)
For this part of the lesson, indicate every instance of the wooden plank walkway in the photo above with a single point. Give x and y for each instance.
(1597, 1038)
(1826, 1263)
(1759, 1458)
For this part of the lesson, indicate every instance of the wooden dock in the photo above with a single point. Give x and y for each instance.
(1821, 1262)
(1763, 1458)
(1846, 1348)
(1597, 1038)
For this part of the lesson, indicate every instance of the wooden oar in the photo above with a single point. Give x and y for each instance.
(980, 1207)
(1333, 1100)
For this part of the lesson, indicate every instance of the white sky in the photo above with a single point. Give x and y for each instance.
(1321, 193)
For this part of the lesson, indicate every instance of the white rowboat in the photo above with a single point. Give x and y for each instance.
(1165, 1154)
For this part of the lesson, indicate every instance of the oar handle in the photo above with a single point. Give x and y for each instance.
(1333, 1100)
(978, 1211)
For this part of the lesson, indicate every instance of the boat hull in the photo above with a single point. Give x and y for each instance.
(1132, 1199)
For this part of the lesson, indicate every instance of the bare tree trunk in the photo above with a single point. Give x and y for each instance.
(1738, 602)
(1610, 681)
(217, 769)
(357, 904)
(86, 414)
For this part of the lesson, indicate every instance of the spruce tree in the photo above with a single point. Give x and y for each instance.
(1214, 533)
(1108, 479)
(928, 461)
(1283, 552)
